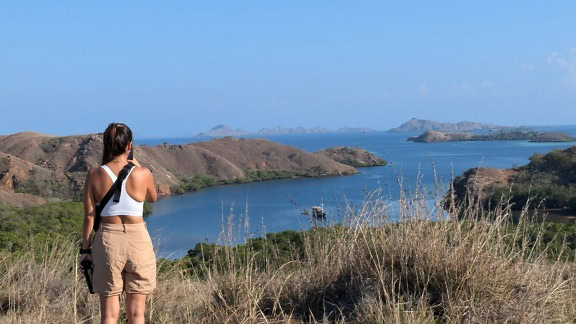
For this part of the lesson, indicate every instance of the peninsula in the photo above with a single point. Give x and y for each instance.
(35, 167)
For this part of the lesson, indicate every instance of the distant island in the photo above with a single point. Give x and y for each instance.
(414, 125)
(224, 130)
(279, 130)
(35, 168)
(432, 136)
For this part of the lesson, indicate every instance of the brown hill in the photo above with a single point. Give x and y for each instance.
(56, 166)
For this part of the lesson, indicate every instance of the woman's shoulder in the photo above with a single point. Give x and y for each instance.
(141, 172)
(95, 171)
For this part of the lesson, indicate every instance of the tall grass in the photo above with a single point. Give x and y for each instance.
(466, 265)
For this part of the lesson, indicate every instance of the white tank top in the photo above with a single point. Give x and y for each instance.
(127, 205)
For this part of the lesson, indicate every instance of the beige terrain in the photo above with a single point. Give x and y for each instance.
(54, 167)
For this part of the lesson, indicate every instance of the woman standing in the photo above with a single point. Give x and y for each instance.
(122, 251)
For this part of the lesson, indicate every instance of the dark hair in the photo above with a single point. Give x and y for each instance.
(117, 136)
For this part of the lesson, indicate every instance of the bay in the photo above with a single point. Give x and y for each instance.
(177, 223)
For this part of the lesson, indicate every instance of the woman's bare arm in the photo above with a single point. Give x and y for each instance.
(151, 194)
(89, 211)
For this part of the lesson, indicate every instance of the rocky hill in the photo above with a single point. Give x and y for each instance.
(414, 125)
(54, 167)
(548, 181)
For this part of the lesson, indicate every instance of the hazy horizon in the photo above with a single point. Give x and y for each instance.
(254, 131)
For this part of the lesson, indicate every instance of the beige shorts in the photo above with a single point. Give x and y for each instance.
(124, 259)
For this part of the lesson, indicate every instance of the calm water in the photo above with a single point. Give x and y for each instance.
(178, 223)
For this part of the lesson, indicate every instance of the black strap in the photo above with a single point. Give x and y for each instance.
(115, 190)
(118, 184)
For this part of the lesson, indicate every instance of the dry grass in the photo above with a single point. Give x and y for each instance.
(422, 270)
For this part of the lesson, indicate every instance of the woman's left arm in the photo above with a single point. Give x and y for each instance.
(89, 211)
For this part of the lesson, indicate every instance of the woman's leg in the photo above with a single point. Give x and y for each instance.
(109, 309)
(135, 307)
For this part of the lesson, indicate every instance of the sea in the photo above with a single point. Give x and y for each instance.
(228, 214)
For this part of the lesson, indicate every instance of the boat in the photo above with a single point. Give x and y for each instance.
(318, 211)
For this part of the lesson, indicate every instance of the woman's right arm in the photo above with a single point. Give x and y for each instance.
(151, 194)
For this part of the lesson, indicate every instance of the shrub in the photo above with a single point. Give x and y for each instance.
(51, 145)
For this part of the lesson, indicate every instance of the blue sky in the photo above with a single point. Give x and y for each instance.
(175, 68)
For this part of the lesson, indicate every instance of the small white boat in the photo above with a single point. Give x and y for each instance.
(318, 211)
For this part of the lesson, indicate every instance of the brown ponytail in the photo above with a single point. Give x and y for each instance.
(117, 136)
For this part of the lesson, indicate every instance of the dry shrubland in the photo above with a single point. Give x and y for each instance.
(461, 265)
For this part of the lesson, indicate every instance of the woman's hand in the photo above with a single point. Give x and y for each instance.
(87, 256)
(135, 162)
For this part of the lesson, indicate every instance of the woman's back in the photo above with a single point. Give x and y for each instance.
(139, 187)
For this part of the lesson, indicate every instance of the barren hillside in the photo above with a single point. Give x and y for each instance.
(55, 166)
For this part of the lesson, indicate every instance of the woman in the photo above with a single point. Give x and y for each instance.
(121, 251)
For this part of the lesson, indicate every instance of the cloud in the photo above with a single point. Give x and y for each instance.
(566, 60)
(487, 84)
(465, 87)
(423, 90)
(527, 67)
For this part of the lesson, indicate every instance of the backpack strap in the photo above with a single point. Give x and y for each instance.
(121, 177)
(116, 187)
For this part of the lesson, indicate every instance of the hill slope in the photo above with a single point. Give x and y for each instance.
(55, 167)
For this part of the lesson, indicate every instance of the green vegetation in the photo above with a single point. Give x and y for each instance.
(273, 251)
(20, 227)
(193, 183)
(198, 182)
(358, 164)
(51, 145)
(49, 188)
(147, 209)
(557, 241)
(261, 175)
(548, 179)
